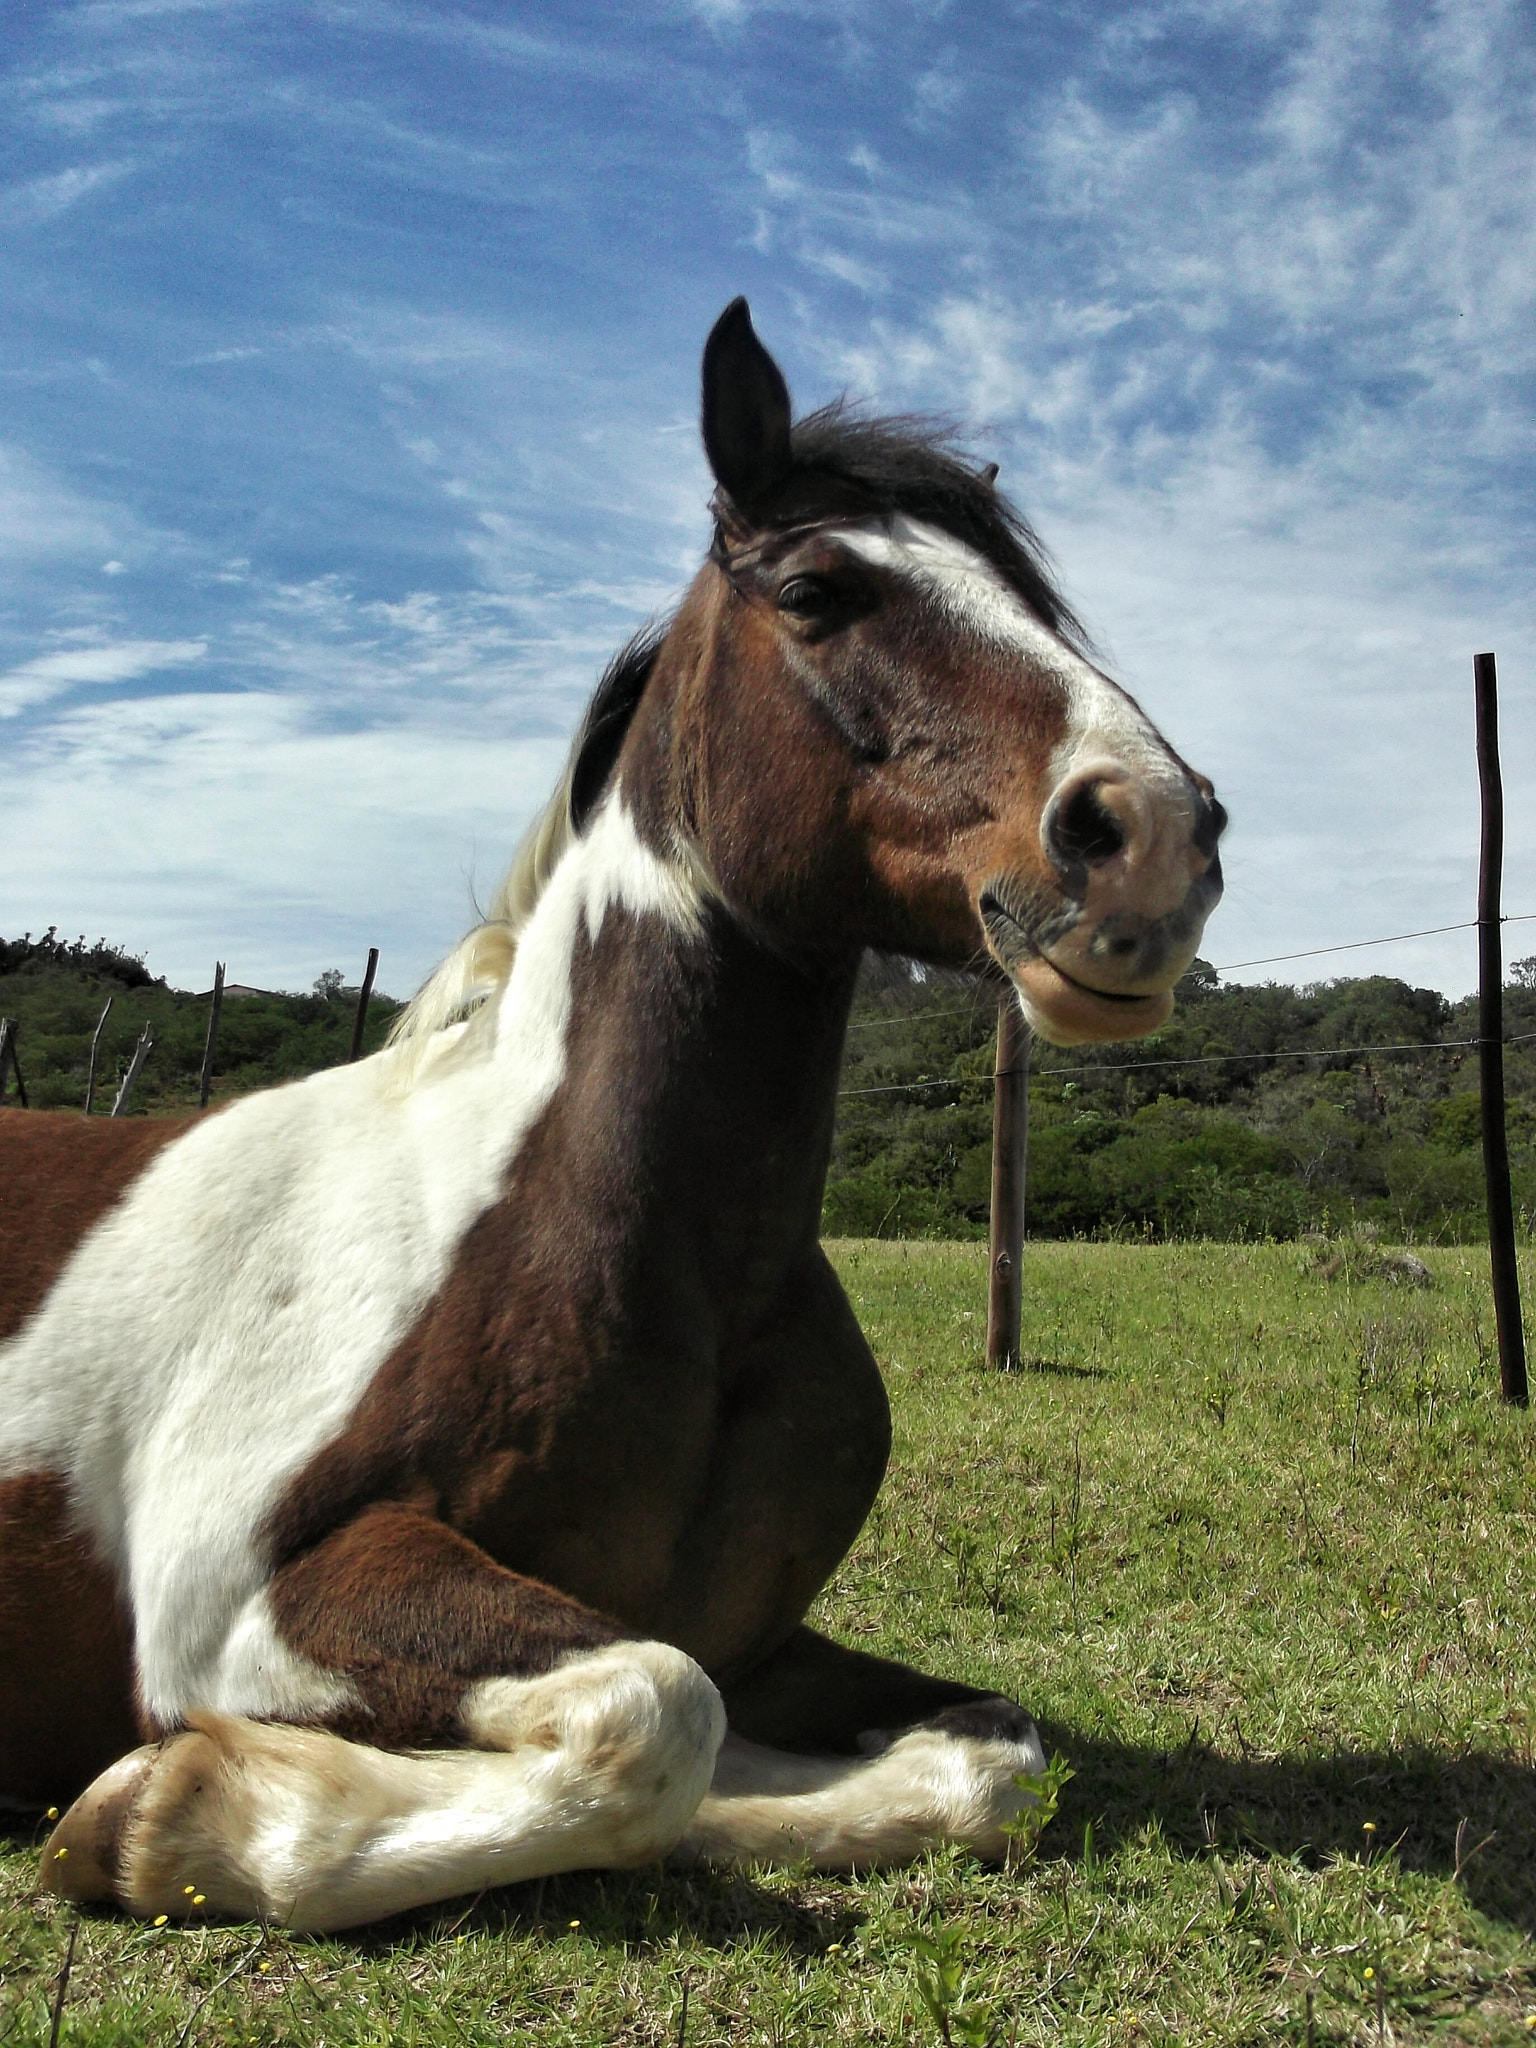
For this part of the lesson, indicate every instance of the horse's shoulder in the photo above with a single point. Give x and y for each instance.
(59, 1174)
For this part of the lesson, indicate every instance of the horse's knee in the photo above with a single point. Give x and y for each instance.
(633, 1728)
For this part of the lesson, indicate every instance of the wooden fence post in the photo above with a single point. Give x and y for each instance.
(90, 1078)
(214, 1009)
(361, 1017)
(1010, 1145)
(9, 1030)
(1490, 1041)
(141, 1053)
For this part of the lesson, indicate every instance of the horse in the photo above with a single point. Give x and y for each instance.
(415, 1478)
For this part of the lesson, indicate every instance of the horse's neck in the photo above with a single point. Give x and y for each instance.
(711, 1065)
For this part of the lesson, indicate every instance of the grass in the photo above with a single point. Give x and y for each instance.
(1257, 1547)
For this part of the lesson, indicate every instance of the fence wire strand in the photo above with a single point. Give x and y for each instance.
(1467, 924)
(1209, 1059)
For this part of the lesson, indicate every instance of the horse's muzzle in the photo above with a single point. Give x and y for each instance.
(1135, 874)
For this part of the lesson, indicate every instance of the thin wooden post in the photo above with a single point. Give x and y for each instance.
(1490, 1041)
(9, 1030)
(141, 1053)
(1010, 1146)
(209, 1042)
(361, 1017)
(90, 1078)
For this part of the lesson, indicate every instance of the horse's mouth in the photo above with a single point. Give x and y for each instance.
(1061, 1008)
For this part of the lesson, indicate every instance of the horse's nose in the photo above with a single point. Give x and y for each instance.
(1098, 815)
(1131, 831)
(1211, 821)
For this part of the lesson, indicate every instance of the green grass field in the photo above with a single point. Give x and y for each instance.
(1259, 1550)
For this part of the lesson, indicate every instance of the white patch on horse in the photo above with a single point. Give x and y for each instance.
(626, 872)
(1103, 720)
(218, 1328)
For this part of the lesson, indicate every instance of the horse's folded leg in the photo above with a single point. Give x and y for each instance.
(929, 1787)
(599, 1763)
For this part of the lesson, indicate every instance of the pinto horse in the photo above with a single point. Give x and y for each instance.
(415, 1478)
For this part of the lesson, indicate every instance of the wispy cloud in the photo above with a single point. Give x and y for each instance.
(225, 824)
(36, 200)
(51, 675)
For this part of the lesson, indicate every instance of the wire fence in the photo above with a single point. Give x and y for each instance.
(1327, 1052)
(1208, 1059)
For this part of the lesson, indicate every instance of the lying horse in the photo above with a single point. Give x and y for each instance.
(415, 1478)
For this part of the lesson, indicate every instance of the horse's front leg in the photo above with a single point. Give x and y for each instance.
(526, 1735)
(815, 1694)
(939, 1763)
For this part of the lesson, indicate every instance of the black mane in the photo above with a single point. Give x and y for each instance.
(607, 716)
(906, 463)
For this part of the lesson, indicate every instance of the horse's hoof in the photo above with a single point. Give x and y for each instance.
(994, 1719)
(83, 1856)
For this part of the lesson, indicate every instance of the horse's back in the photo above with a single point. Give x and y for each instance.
(59, 1173)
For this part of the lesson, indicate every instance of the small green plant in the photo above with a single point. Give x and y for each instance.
(1044, 1793)
(942, 1980)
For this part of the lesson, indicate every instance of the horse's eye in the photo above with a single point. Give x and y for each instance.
(806, 597)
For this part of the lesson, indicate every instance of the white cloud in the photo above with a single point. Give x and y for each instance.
(36, 200)
(221, 826)
(42, 516)
(50, 675)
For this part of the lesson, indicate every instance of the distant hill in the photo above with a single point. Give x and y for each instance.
(1200, 1131)
(55, 990)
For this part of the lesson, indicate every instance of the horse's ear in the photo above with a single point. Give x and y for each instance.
(746, 410)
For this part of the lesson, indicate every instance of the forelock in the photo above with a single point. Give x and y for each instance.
(849, 463)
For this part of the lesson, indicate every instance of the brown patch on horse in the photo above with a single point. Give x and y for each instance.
(59, 1174)
(410, 1612)
(66, 1655)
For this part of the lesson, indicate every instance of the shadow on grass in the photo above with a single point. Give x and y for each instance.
(1057, 1367)
(1314, 1807)
(656, 1906)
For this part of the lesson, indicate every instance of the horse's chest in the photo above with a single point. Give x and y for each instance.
(700, 1499)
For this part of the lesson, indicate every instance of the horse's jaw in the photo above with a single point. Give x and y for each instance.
(1067, 1012)
(1077, 979)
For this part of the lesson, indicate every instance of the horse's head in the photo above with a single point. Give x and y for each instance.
(884, 731)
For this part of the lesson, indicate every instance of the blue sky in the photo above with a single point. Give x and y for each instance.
(348, 389)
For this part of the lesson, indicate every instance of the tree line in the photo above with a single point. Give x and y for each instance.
(1198, 1131)
(56, 989)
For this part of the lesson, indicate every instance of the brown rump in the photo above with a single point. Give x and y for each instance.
(66, 1662)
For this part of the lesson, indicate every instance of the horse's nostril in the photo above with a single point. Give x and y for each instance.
(1082, 829)
(1210, 825)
